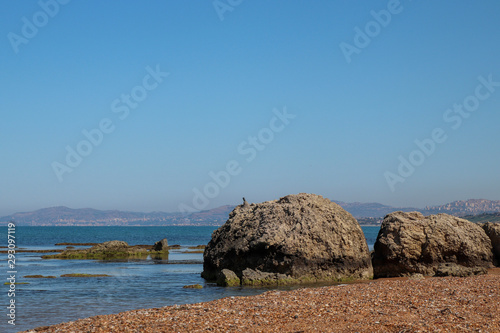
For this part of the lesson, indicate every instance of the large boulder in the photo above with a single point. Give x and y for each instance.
(409, 243)
(493, 232)
(297, 238)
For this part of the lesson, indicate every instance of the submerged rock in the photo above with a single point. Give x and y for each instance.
(83, 275)
(39, 277)
(298, 238)
(409, 243)
(193, 286)
(493, 232)
(197, 247)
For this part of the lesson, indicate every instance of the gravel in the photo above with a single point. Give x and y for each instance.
(445, 304)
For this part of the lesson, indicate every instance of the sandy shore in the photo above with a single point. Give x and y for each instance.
(446, 304)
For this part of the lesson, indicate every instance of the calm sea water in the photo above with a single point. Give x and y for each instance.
(134, 284)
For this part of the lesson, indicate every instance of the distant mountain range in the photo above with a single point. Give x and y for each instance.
(366, 213)
(64, 216)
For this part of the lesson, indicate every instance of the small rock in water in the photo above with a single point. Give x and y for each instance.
(161, 246)
(228, 278)
(193, 286)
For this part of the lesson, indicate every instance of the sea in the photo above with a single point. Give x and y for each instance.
(132, 284)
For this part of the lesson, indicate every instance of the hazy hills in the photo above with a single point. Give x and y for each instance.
(366, 213)
(64, 216)
(457, 208)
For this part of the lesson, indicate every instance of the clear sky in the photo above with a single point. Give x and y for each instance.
(268, 97)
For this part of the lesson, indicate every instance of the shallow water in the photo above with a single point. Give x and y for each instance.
(133, 284)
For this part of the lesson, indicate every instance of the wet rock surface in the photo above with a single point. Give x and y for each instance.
(298, 238)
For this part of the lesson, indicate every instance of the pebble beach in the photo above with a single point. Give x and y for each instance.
(433, 304)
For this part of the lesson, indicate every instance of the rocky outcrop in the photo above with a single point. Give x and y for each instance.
(493, 232)
(161, 246)
(409, 243)
(297, 238)
(107, 250)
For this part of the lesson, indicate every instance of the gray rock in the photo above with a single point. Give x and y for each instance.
(228, 278)
(161, 246)
(305, 237)
(410, 243)
(493, 232)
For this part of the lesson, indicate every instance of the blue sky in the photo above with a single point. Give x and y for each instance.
(353, 116)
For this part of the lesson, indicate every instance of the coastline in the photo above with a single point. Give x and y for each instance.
(449, 304)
